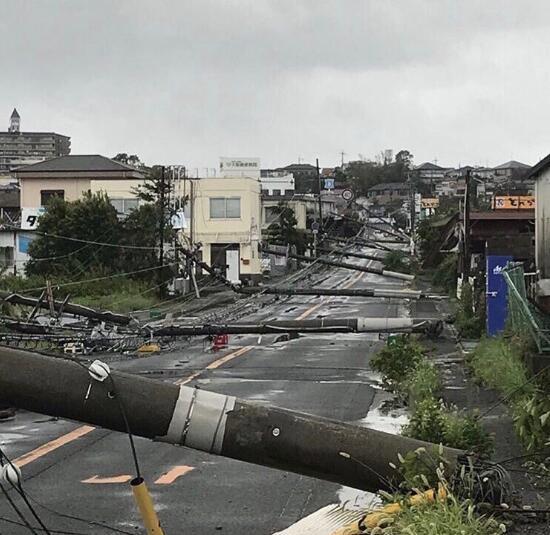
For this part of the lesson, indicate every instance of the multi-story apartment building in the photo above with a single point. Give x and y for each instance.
(22, 148)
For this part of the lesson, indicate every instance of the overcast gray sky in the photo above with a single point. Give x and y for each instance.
(187, 81)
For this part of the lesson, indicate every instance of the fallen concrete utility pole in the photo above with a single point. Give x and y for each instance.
(341, 325)
(353, 254)
(394, 233)
(63, 307)
(224, 425)
(334, 263)
(351, 292)
(359, 241)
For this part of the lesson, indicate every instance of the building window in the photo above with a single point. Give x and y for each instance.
(47, 194)
(276, 192)
(265, 192)
(225, 208)
(289, 192)
(124, 206)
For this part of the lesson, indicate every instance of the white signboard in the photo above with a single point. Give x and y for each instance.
(29, 217)
(235, 167)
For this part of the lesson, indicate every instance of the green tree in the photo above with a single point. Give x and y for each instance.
(284, 230)
(91, 219)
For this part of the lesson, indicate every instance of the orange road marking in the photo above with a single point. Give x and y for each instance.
(173, 474)
(309, 311)
(52, 445)
(227, 358)
(96, 480)
(215, 364)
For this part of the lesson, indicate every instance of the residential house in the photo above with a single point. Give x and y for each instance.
(21, 148)
(71, 176)
(225, 219)
(389, 193)
(305, 177)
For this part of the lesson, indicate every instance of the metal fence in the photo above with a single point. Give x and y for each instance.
(523, 317)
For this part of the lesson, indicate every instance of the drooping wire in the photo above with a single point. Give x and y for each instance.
(18, 512)
(19, 489)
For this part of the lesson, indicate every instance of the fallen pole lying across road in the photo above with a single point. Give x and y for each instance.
(65, 308)
(330, 450)
(350, 292)
(324, 325)
(334, 263)
(353, 254)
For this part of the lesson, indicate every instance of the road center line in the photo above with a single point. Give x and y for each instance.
(52, 445)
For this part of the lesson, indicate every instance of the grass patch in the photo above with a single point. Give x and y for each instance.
(498, 363)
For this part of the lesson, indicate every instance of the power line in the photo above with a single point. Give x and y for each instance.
(91, 242)
(65, 284)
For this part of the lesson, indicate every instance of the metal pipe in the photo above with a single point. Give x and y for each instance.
(211, 422)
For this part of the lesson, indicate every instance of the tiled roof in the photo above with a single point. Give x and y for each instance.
(76, 162)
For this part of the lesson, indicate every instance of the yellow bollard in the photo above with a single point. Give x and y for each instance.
(145, 506)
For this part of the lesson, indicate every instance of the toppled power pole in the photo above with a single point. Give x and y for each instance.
(342, 325)
(350, 292)
(65, 307)
(334, 263)
(224, 425)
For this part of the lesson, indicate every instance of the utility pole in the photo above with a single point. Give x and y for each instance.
(218, 424)
(412, 208)
(344, 265)
(466, 242)
(338, 325)
(319, 188)
(161, 228)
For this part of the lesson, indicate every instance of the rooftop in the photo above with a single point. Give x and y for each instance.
(512, 164)
(76, 162)
(537, 169)
(430, 166)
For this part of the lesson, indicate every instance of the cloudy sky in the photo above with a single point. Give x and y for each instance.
(186, 81)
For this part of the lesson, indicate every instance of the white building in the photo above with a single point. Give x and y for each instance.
(277, 183)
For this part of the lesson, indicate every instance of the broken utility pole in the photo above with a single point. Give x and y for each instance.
(352, 254)
(334, 263)
(350, 455)
(351, 292)
(65, 307)
(341, 325)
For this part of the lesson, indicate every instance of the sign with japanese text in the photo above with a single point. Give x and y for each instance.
(514, 202)
(429, 202)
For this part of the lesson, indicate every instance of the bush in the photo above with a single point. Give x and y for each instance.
(469, 319)
(432, 421)
(423, 383)
(397, 360)
(532, 420)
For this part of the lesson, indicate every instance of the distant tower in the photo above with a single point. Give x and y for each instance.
(15, 121)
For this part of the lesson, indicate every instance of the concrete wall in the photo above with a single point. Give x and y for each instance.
(542, 224)
(31, 187)
(244, 230)
(116, 189)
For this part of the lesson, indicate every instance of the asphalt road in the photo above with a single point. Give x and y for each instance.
(84, 472)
